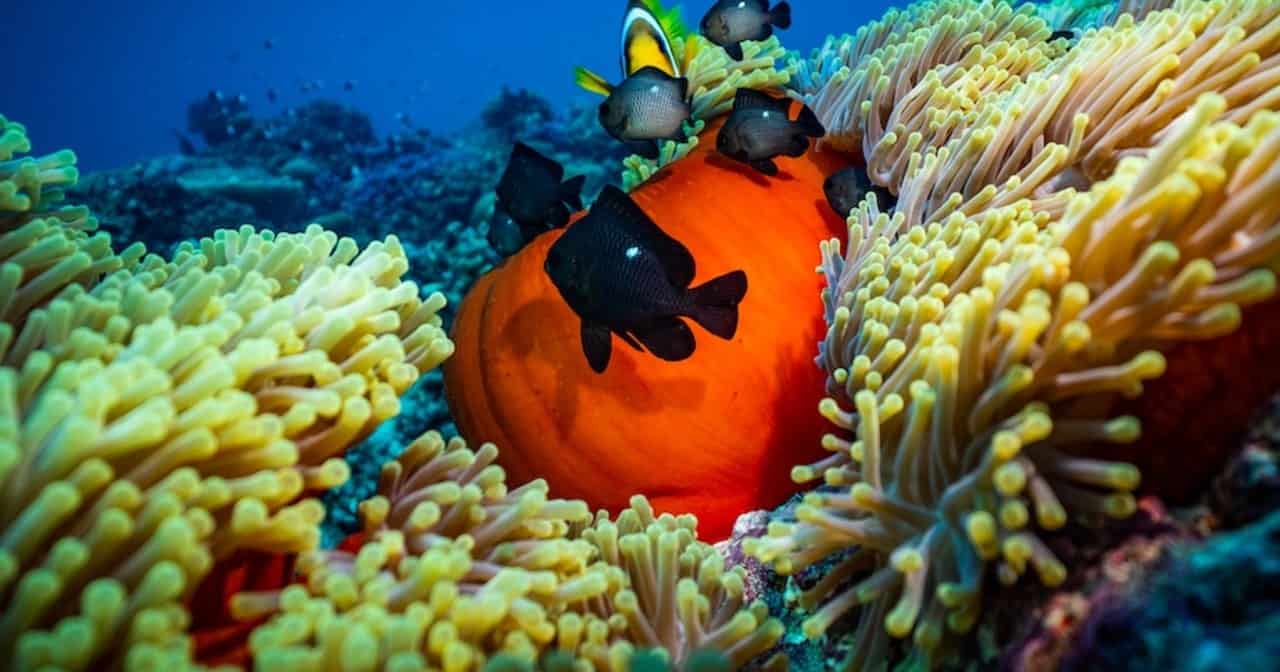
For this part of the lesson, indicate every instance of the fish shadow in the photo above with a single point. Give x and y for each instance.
(760, 179)
(839, 226)
(643, 388)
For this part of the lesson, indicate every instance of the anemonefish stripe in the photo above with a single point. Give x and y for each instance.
(644, 43)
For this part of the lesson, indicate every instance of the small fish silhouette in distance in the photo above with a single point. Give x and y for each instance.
(1063, 34)
(758, 130)
(729, 23)
(651, 103)
(846, 188)
(623, 275)
(185, 146)
(532, 199)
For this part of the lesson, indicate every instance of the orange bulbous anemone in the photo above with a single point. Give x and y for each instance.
(714, 435)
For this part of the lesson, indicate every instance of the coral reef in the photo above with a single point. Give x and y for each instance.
(1145, 588)
(323, 163)
(1215, 606)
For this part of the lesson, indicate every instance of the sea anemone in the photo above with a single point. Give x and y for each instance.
(724, 424)
(174, 412)
(978, 333)
(453, 568)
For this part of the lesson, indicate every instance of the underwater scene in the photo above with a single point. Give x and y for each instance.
(620, 336)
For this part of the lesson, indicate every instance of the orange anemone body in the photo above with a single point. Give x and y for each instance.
(715, 435)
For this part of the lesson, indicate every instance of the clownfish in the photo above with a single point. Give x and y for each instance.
(651, 103)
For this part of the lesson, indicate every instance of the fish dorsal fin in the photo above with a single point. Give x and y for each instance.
(751, 99)
(672, 22)
(592, 82)
(645, 41)
(676, 260)
(523, 153)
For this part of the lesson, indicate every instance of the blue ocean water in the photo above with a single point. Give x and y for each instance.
(113, 79)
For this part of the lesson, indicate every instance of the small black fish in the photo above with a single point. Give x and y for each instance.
(185, 146)
(623, 275)
(272, 96)
(1063, 35)
(731, 22)
(349, 85)
(648, 106)
(758, 129)
(846, 188)
(531, 199)
(268, 44)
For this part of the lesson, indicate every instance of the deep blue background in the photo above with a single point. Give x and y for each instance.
(112, 78)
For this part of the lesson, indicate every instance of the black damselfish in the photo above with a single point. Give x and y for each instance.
(758, 129)
(731, 22)
(623, 275)
(531, 200)
(846, 188)
(646, 108)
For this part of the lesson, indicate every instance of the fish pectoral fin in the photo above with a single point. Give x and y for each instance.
(677, 262)
(798, 145)
(735, 51)
(630, 340)
(597, 345)
(668, 338)
(766, 166)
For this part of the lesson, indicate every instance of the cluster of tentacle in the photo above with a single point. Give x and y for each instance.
(1057, 229)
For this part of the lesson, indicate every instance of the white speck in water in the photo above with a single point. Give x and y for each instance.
(633, 252)
(653, 89)
(765, 114)
(742, 5)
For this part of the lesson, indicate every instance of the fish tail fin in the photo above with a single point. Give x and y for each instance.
(715, 304)
(809, 123)
(591, 82)
(571, 191)
(780, 15)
